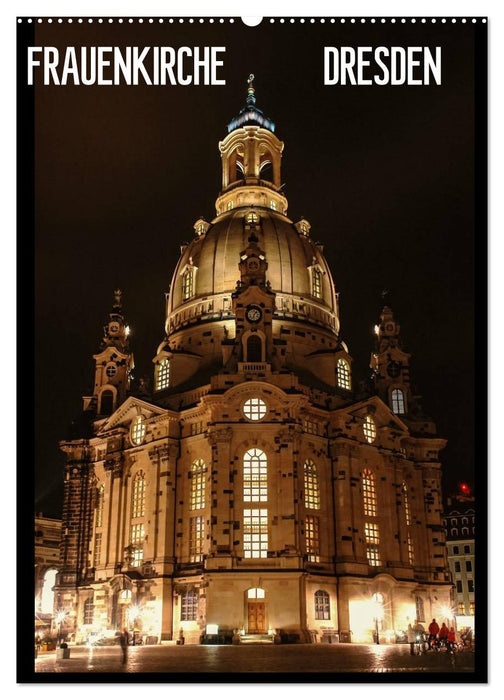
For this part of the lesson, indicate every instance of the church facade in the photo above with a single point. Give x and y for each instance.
(255, 491)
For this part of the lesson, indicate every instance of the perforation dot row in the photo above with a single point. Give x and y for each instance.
(231, 20)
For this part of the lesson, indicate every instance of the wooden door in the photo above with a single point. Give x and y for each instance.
(256, 618)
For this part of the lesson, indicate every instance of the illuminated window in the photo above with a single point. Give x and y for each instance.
(343, 370)
(163, 374)
(461, 608)
(311, 485)
(255, 476)
(255, 533)
(472, 608)
(99, 506)
(419, 605)
(125, 596)
(407, 511)
(254, 409)
(273, 205)
(188, 283)
(197, 428)
(230, 205)
(196, 537)
(316, 283)
(411, 551)
(198, 477)
(369, 429)
(369, 493)
(189, 607)
(137, 533)
(255, 593)
(138, 430)
(252, 218)
(398, 401)
(97, 549)
(312, 538)
(136, 556)
(372, 543)
(88, 611)
(138, 499)
(322, 606)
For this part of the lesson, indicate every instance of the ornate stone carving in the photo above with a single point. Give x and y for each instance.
(217, 435)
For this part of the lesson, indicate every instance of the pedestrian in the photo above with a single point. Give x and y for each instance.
(420, 635)
(433, 632)
(443, 634)
(451, 640)
(411, 639)
(124, 641)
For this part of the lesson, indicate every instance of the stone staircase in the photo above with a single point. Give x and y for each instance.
(256, 639)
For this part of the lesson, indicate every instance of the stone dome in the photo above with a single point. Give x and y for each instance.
(212, 259)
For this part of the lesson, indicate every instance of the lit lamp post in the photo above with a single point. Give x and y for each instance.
(133, 614)
(60, 617)
(377, 607)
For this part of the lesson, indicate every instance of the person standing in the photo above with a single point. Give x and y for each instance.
(433, 632)
(450, 643)
(443, 634)
(124, 642)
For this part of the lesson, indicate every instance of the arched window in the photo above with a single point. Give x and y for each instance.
(311, 485)
(163, 374)
(188, 284)
(368, 493)
(99, 506)
(88, 611)
(254, 348)
(398, 405)
(312, 538)
(198, 477)
(369, 429)
(189, 607)
(322, 605)
(138, 430)
(106, 402)
(317, 283)
(255, 476)
(138, 497)
(343, 371)
(419, 605)
(47, 598)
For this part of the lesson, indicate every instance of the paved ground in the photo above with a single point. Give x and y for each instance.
(307, 658)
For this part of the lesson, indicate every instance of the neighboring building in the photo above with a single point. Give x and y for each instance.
(255, 490)
(47, 558)
(459, 523)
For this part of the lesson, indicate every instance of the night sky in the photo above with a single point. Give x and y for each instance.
(385, 175)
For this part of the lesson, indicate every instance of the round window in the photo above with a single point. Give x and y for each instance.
(111, 369)
(138, 430)
(254, 409)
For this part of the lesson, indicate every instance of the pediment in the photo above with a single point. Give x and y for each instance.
(382, 414)
(128, 410)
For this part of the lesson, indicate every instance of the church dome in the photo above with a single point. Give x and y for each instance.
(251, 200)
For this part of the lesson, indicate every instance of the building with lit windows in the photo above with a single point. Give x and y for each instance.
(459, 522)
(254, 491)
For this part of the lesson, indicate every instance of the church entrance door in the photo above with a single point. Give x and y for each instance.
(256, 618)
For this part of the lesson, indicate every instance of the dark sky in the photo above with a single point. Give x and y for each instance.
(385, 175)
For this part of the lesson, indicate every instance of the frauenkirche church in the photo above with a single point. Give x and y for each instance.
(256, 493)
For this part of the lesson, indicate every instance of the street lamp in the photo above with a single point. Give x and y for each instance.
(60, 618)
(377, 607)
